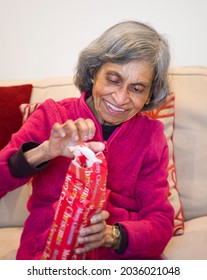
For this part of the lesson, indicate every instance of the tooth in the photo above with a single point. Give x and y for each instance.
(115, 108)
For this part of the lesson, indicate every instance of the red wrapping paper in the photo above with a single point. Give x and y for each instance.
(83, 194)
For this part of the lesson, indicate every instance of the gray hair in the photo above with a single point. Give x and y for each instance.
(122, 43)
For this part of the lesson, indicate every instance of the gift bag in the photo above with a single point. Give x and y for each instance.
(83, 194)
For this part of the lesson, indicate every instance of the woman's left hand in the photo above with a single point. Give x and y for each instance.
(98, 234)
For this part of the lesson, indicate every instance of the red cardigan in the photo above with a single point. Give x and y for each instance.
(137, 157)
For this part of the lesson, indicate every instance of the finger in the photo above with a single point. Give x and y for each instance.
(101, 216)
(86, 128)
(71, 130)
(91, 238)
(92, 229)
(91, 128)
(88, 247)
(57, 131)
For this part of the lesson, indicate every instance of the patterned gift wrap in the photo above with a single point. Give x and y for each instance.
(83, 194)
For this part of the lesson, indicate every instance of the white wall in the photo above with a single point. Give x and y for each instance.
(42, 38)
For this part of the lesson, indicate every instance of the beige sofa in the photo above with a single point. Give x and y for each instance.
(189, 150)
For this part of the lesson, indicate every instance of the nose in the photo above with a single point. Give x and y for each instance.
(121, 96)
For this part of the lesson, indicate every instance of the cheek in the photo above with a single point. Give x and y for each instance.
(139, 104)
(100, 90)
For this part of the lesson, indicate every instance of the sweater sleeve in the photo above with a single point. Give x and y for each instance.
(34, 130)
(19, 167)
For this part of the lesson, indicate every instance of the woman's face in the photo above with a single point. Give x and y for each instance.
(121, 90)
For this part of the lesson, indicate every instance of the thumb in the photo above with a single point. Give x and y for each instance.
(96, 146)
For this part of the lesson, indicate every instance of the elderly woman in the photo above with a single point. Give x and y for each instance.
(120, 74)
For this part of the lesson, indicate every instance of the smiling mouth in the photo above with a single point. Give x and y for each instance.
(113, 108)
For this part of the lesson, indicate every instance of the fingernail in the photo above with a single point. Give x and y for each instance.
(77, 251)
(94, 220)
(75, 136)
(90, 135)
(83, 231)
(80, 240)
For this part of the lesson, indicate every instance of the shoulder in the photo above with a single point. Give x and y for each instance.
(52, 107)
(149, 123)
(58, 104)
(153, 130)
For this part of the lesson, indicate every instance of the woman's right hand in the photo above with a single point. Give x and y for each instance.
(69, 134)
(62, 137)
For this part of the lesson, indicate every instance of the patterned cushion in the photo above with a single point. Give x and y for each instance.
(27, 109)
(165, 114)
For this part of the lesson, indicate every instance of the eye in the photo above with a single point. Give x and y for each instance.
(138, 88)
(113, 78)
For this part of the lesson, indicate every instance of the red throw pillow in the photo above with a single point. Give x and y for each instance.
(10, 117)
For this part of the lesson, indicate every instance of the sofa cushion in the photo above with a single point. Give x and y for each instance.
(13, 207)
(192, 245)
(10, 118)
(10, 238)
(190, 138)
